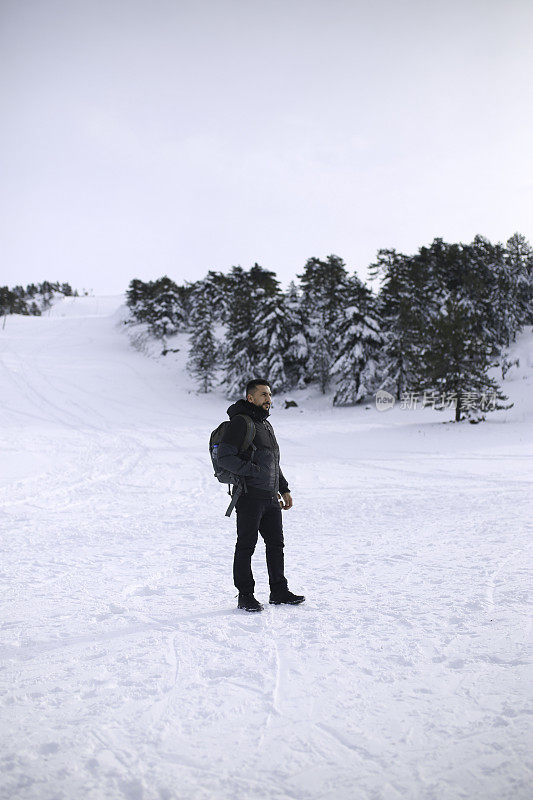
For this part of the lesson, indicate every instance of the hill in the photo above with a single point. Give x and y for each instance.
(128, 671)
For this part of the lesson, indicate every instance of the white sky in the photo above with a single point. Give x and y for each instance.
(172, 137)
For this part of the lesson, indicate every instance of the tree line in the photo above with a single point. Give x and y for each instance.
(431, 323)
(437, 321)
(34, 299)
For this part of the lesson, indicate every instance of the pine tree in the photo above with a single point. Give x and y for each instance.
(184, 305)
(519, 258)
(135, 293)
(46, 290)
(323, 286)
(246, 293)
(203, 352)
(399, 317)
(11, 302)
(272, 340)
(18, 301)
(139, 298)
(263, 281)
(457, 347)
(157, 303)
(166, 315)
(490, 282)
(239, 352)
(297, 351)
(457, 360)
(359, 345)
(217, 288)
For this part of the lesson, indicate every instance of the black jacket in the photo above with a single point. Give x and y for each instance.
(262, 471)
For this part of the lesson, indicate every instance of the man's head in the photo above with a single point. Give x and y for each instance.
(258, 392)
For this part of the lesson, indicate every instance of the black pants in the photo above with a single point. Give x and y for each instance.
(257, 515)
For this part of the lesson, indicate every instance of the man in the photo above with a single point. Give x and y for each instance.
(258, 509)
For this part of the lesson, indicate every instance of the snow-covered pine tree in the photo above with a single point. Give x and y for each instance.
(239, 351)
(167, 315)
(519, 257)
(217, 289)
(359, 345)
(323, 286)
(46, 290)
(202, 361)
(157, 303)
(263, 279)
(184, 294)
(272, 340)
(34, 309)
(135, 293)
(459, 361)
(399, 319)
(139, 297)
(297, 352)
(457, 348)
(12, 301)
(247, 293)
(489, 279)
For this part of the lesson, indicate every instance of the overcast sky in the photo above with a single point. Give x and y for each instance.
(149, 137)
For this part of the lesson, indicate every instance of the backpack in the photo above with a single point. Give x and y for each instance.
(223, 475)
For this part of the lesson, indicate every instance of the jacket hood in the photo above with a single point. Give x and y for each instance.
(245, 407)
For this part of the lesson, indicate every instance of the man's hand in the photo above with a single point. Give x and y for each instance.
(285, 500)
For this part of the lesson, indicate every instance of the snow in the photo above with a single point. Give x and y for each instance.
(128, 672)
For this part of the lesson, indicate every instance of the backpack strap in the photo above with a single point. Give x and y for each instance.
(241, 486)
(237, 491)
(250, 433)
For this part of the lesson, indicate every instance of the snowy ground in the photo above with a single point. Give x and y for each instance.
(126, 670)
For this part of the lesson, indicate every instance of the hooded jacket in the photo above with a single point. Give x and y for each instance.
(261, 468)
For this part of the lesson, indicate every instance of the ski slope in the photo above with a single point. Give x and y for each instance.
(126, 669)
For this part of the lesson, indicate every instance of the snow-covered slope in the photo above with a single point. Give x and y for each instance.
(127, 671)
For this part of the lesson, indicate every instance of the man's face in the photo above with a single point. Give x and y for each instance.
(262, 396)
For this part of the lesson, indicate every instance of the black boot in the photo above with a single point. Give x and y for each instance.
(249, 603)
(276, 598)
